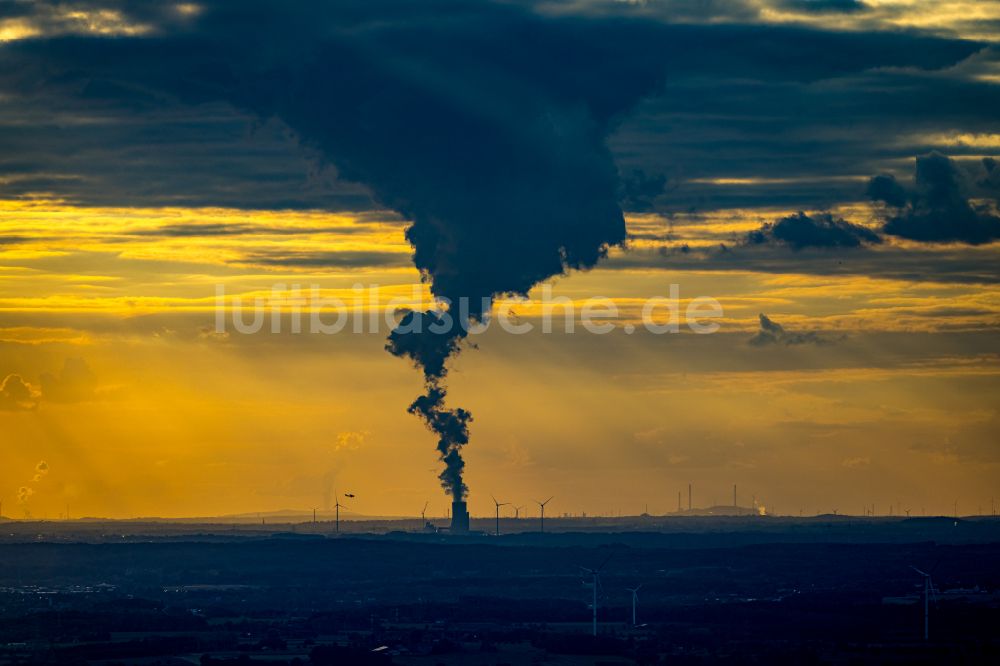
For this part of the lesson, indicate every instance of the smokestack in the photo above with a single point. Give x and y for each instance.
(459, 518)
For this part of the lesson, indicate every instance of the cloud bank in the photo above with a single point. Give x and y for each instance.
(820, 230)
(937, 208)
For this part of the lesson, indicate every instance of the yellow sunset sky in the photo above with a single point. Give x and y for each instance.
(171, 418)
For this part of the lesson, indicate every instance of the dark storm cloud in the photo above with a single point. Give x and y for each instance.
(989, 180)
(823, 6)
(172, 155)
(940, 264)
(937, 208)
(818, 230)
(789, 136)
(687, 11)
(758, 97)
(773, 333)
(640, 191)
(884, 188)
(495, 155)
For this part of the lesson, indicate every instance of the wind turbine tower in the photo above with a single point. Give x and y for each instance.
(541, 506)
(928, 591)
(595, 582)
(498, 505)
(635, 599)
(337, 507)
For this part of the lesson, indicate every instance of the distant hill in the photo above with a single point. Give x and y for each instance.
(717, 510)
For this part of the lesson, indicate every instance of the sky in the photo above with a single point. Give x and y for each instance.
(825, 170)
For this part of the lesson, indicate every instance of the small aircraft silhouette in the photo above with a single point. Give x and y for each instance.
(351, 495)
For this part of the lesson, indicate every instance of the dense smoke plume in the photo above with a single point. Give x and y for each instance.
(429, 339)
(497, 158)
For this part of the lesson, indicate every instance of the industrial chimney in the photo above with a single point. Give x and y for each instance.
(459, 518)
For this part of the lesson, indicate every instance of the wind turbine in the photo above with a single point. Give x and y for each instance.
(337, 507)
(314, 515)
(542, 506)
(499, 504)
(595, 582)
(423, 516)
(635, 598)
(517, 512)
(928, 591)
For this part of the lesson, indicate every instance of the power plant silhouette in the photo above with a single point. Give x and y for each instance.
(459, 517)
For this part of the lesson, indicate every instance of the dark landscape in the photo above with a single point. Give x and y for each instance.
(765, 590)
